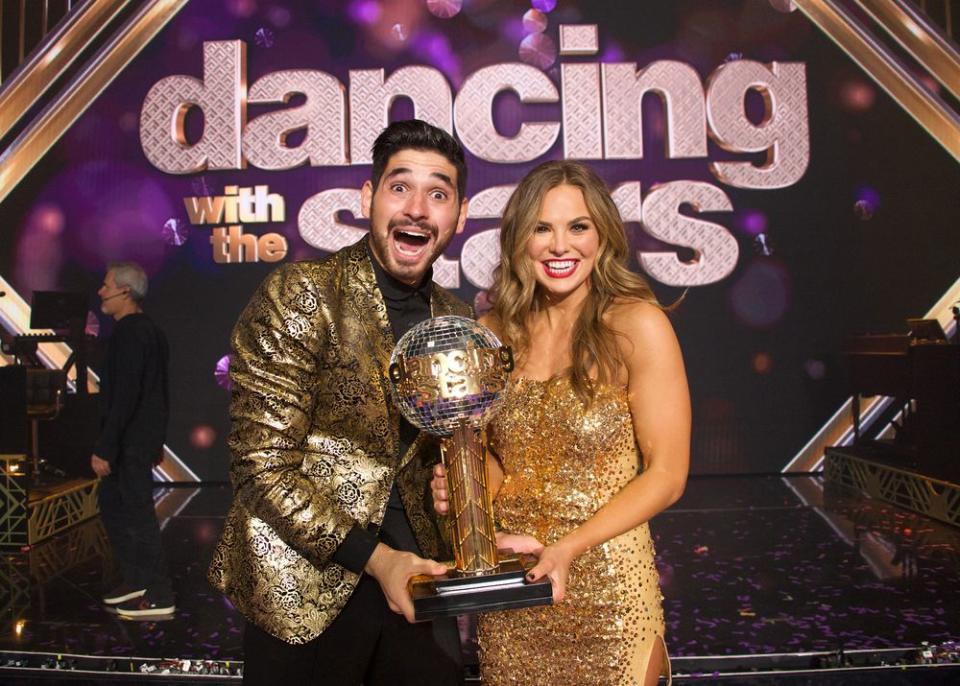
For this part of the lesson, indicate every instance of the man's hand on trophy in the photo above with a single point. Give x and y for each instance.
(438, 486)
(393, 569)
(519, 543)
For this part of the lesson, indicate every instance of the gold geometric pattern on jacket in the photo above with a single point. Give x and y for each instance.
(314, 442)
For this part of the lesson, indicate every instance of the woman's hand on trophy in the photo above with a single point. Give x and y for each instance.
(554, 562)
(438, 486)
(519, 543)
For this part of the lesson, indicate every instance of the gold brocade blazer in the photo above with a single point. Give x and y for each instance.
(315, 442)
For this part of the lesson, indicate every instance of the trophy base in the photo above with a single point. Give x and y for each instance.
(505, 588)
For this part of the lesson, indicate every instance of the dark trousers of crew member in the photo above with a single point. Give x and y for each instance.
(128, 515)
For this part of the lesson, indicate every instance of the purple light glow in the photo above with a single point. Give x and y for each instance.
(761, 296)
(175, 232)
(48, 219)
(512, 30)
(752, 222)
(129, 122)
(193, 27)
(117, 211)
(92, 327)
(534, 21)
(279, 16)
(815, 369)
(612, 53)
(869, 194)
(222, 373)
(364, 11)
(187, 37)
(264, 37)
(435, 48)
(444, 9)
(40, 249)
(544, 5)
(243, 9)
(867, 202)
(539, 50)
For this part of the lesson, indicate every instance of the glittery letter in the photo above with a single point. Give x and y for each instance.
(716, 250)
(323, 116)
(446, 272)
(473, 113)
(481, 252)
(678, 86)
(581, 111)
(371, 97)
(221, 95)
(578, 39)
(627, 198)
(784, 132)
(318, 219)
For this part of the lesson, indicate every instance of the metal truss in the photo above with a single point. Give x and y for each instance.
(62, 509)
(931, 497)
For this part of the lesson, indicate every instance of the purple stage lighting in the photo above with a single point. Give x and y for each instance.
(444, 8)
(175, 232)
(544, 5)
(264, 37)
(761, 296)
(867, 202)
(222, 373)
(534, 21)
(753, 222)
(364, 11)
(539, 50)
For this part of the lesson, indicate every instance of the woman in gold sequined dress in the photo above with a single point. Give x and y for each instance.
(591, 442)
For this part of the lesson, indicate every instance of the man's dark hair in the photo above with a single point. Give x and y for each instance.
(418, 135)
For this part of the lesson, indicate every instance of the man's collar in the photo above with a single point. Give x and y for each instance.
(392, 288)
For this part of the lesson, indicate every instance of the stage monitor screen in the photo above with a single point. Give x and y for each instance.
(57, 310)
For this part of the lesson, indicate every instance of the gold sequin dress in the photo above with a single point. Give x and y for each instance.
(562, 464)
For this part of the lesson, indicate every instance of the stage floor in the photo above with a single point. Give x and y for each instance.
(748, 564)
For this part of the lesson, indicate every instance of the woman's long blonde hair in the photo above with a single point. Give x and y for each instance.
(515, 293)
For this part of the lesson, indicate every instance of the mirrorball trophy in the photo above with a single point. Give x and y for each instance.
(450, 376)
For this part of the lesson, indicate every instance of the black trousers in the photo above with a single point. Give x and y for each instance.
(128, 514)
(366, 644)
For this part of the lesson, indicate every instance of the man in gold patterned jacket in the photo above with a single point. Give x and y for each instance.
(331, 516)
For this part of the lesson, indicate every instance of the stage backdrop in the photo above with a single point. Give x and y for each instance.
(758, 171)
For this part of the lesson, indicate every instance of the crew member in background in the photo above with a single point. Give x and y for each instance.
(135, 405)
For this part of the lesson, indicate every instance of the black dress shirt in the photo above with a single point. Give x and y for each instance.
(407, 306)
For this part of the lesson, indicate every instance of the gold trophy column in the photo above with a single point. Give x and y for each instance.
(471, 511)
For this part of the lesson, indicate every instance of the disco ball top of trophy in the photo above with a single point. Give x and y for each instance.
(447, 371)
